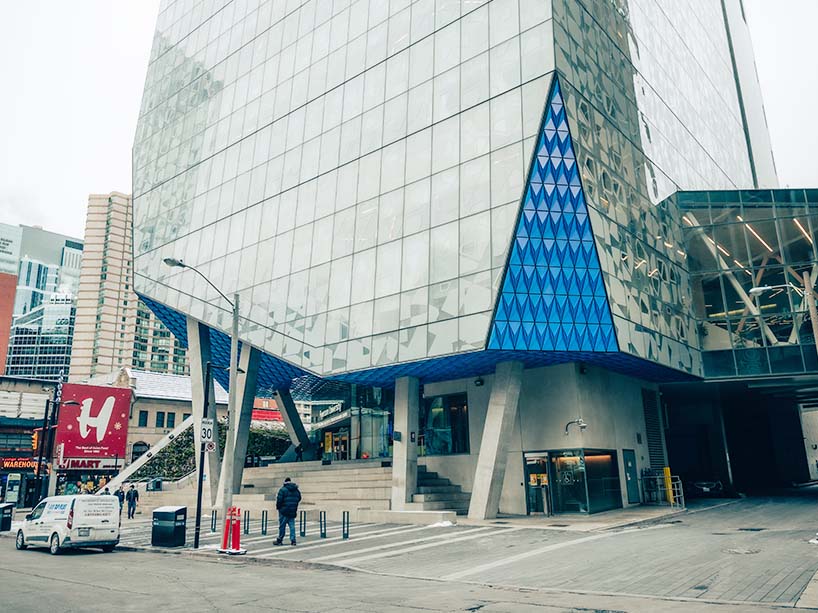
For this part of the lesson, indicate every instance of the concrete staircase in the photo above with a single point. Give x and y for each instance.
(436, 493)
(341, 486)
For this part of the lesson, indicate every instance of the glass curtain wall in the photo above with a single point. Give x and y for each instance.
(444, 425)
(740, 240)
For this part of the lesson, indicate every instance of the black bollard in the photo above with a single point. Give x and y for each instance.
(302, 523)
(345, 524)
(322, 523)
(264, 522)
(247, 522)
(214, 514)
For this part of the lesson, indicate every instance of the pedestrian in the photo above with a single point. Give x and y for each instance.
(299, 453)
(120, 494)
(287, 504)
(106, 492)
(132, 497)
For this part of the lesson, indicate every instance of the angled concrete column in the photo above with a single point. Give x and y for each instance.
(198, 339)
(491, 463)
(405, 450)
(295, 427)
(249, 358)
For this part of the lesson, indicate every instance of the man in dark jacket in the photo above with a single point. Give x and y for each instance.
(132, 497)
(287, 504)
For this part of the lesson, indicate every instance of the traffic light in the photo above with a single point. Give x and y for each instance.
(35, 440)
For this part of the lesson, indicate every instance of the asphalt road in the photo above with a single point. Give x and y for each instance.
(753, 555)
(134, 581)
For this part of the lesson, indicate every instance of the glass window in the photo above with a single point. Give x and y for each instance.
(444, 425)
(445, 196)
(160, 419)
(416, 263)
(143, 419)
(474, 132)
(387, 279)
(171, 420)
(416, 215)
(443, 252)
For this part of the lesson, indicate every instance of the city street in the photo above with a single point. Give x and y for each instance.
(752, 554)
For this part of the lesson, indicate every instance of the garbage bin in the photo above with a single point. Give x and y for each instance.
(6, 515)
(169, 526)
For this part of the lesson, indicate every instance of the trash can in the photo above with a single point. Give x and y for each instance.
(169, 526)
(6, 515)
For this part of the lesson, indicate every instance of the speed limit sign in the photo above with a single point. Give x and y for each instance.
(207, 430)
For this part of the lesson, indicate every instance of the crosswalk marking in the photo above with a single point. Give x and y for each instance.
(385, 554)
(363, 536)
(441, 538)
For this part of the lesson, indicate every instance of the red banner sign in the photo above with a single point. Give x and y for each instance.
(94, 428)
(266, 415)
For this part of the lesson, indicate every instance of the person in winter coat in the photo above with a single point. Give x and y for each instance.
(287, 504)
(132, 498)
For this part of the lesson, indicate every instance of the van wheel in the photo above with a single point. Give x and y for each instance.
(108, 548)
(54, 548)
(20, 543)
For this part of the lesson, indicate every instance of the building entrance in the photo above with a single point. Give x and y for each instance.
(572, 481)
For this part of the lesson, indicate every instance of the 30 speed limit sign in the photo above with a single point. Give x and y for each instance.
(207, 430)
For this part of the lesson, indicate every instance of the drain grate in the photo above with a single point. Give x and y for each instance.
(720, 533)
(559, 525)
(751, 529)
(499, 522)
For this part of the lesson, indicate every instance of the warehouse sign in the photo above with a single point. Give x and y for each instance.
(18, 463)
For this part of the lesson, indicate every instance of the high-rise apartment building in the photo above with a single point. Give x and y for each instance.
(113, 329)
(469, 220)
(45, 266)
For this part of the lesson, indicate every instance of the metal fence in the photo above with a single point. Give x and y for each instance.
(660, 489)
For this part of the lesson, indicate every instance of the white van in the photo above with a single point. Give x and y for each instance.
(61, 522)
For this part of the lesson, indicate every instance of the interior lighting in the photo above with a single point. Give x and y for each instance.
(687, 220)
(756, 234)
(719, 247)
(804, 232)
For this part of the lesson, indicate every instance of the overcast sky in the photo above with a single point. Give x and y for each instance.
(72, 75)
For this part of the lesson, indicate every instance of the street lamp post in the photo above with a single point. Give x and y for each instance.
(808, 296)
(230, 442)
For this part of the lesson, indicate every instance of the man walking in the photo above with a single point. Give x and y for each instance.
(287, 504)
(132, 497)
(120, 495)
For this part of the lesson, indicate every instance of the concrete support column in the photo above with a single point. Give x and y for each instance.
(295, 427)
(405, 450)
(249, 358)
(354, 432)
(198, 338)
(248, 362)
(491, 463)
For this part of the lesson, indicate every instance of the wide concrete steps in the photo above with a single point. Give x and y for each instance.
(436, 493)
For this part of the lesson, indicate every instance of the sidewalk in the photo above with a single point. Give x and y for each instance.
(607, 520)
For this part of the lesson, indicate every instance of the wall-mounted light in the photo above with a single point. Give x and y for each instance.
(478, 382)
(579, 422)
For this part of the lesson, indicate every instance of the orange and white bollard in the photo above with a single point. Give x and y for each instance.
(232, 533)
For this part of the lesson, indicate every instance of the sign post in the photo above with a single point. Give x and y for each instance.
(206, 443)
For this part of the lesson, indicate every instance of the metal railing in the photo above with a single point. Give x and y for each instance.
(663, 490)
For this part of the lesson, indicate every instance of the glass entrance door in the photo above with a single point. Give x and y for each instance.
(536, 473)
(567, 474)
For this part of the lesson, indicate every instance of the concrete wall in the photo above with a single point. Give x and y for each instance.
(552, 396)
(809, 427)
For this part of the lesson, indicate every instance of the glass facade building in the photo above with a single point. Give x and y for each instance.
(357, 172)
(431, 188)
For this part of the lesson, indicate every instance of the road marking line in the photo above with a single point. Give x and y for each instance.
(362, 537)
(535, 552)
(442, 539)
(386, 554)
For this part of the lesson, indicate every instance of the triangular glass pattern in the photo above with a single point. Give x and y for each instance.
(552, 296)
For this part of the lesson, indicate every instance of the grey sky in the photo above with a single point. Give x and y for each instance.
(73, 75)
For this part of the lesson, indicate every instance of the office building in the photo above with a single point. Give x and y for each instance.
(46, 267)
(113, 328)
(465, 221)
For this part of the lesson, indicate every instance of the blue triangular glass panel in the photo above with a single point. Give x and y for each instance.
(553, 295)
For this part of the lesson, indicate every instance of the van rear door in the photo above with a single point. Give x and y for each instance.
(96, 519)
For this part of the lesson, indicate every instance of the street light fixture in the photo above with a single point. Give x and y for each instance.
(809, 296)
(230, 442)
(46, 446)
